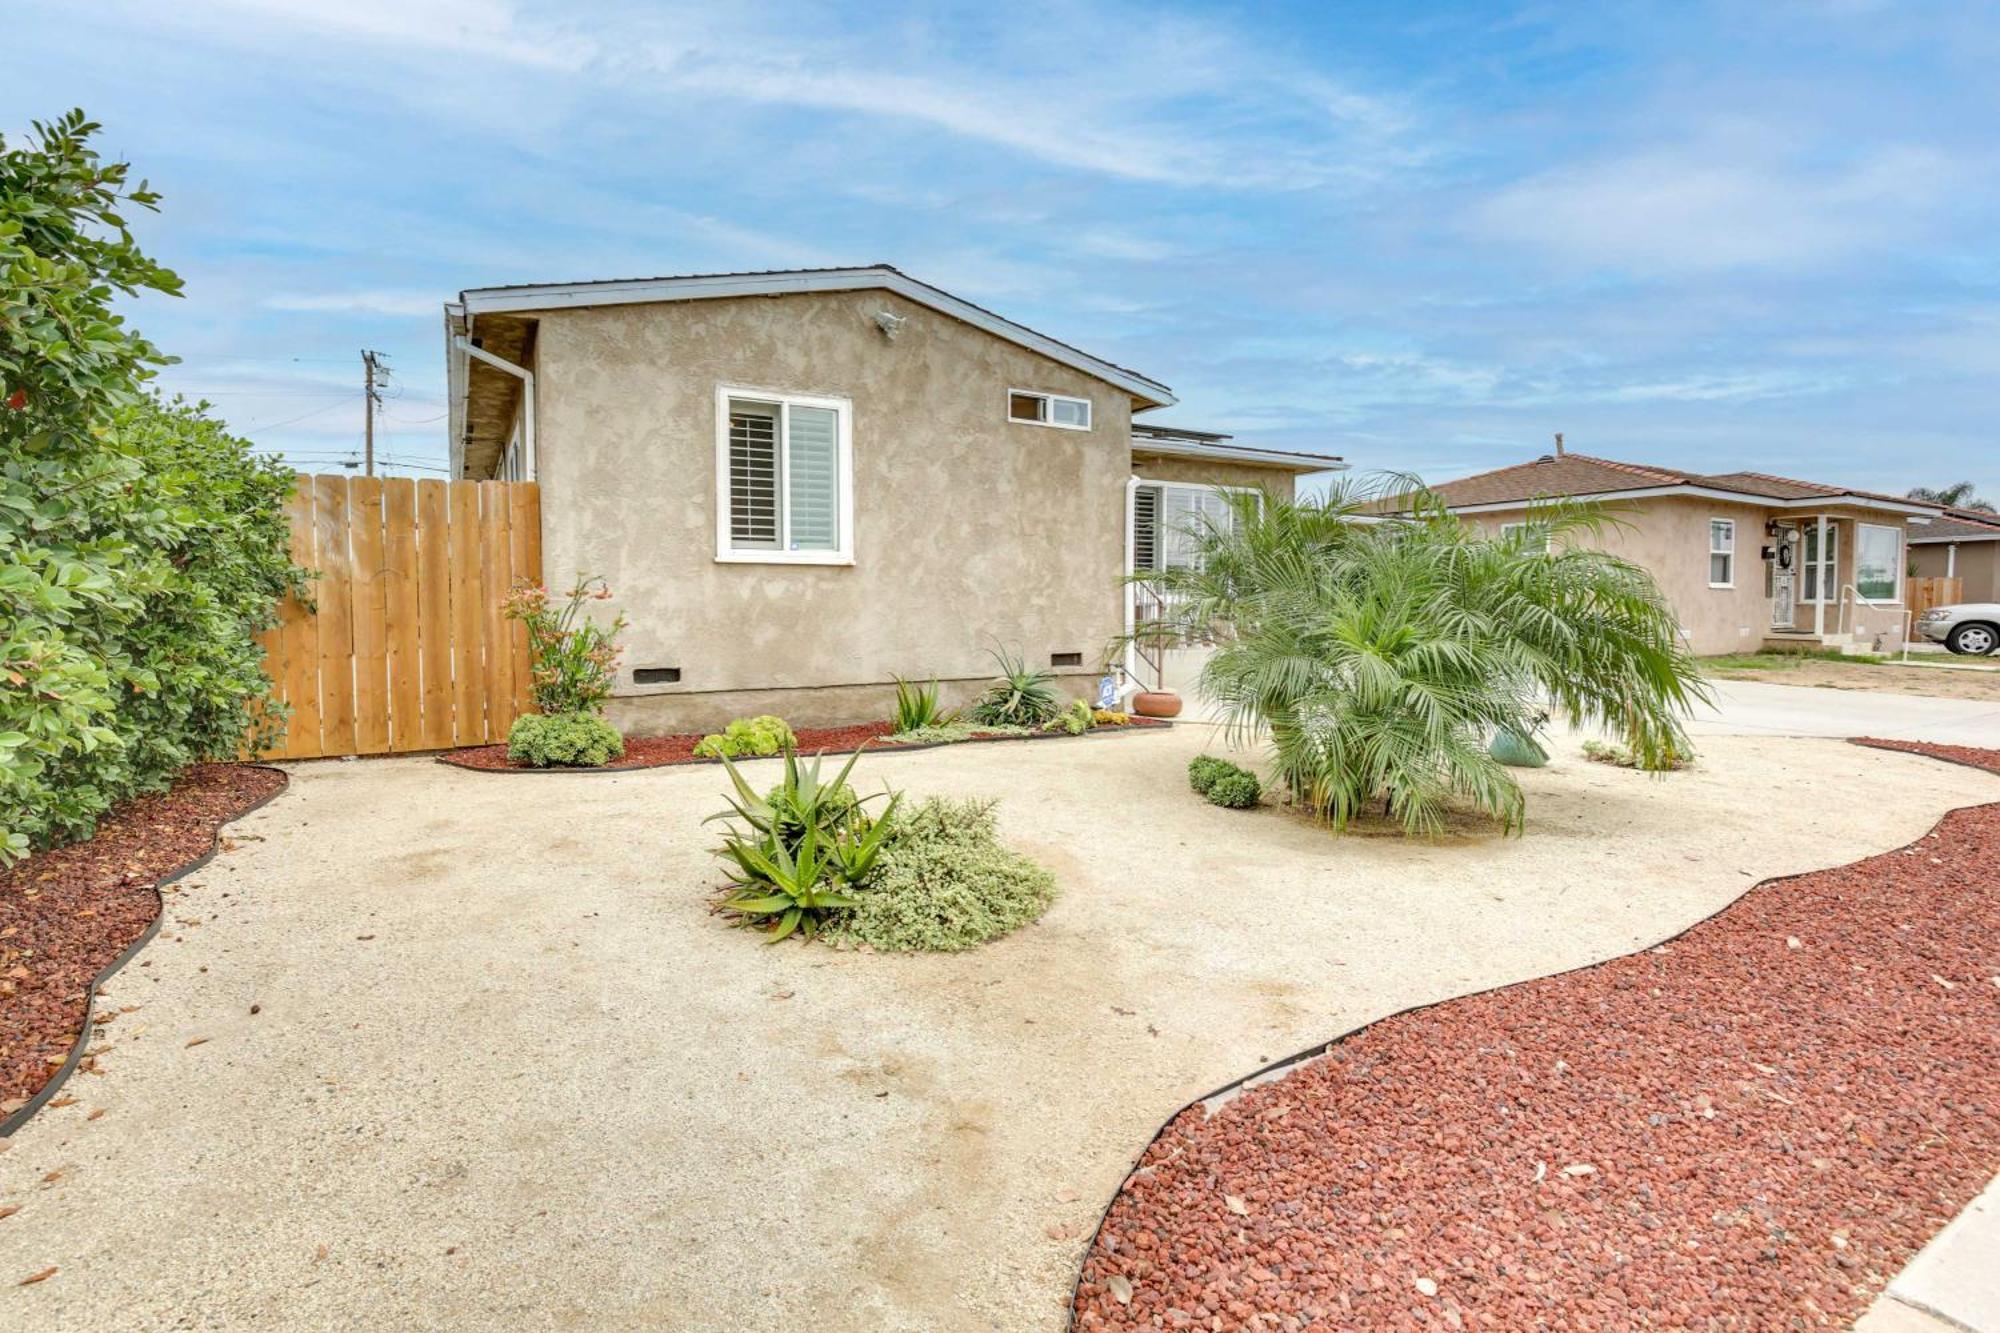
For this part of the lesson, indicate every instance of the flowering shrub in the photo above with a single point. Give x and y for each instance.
(574, 658)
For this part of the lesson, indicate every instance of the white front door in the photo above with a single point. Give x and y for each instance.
(1782, 583)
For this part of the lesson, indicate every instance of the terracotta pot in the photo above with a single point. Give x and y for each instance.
(1156, 703)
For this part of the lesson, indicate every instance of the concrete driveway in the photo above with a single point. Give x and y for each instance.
(506, 1070)
(1753, 708)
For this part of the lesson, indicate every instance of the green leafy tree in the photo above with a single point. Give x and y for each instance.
(141, 545)
(1958, 495)
(1379, 656)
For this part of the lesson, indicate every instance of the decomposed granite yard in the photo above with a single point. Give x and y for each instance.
(470, 1050)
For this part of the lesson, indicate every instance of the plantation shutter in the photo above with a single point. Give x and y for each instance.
(812, 477)
(753, 474)
(1182, 521)
(1146, 528)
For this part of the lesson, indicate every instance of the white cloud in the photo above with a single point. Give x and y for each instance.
(362, 302)
(1719, 204)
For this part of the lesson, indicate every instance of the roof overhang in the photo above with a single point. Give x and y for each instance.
(1847, 500)
(1952, 539)
(1229, 453)
(639, 291)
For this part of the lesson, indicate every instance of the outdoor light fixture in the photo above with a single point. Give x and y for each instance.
(890, 323)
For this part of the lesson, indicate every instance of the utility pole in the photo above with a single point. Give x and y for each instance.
(374, 374)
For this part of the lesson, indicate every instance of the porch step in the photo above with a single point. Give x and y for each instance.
(1805, 641)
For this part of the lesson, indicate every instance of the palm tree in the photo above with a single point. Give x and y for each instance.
(1378, 655)
(1958, 495)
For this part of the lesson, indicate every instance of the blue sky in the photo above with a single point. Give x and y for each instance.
(1424, 237)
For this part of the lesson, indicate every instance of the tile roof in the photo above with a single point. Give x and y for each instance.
(1958, 526)
(1581, 474)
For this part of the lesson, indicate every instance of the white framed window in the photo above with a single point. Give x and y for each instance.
(784, 470)
(1169, 518)
(1820, 565)
(1722, 553)
(1533, 535)
(1048, 409)
(1878, 562)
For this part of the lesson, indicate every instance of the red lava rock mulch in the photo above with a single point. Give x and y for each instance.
(1958, 754)
(67, 913)
(1755, 1125)
(660, 751)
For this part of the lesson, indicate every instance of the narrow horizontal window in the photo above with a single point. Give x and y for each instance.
(1048, 409)
(1535, 536)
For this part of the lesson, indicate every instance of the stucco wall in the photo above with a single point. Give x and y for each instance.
(968, 529)
(1978, 565)
(1158, 467)
(1668, 535)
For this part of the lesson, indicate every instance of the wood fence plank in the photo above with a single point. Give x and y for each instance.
(399, 598)
(524, 522)
(292, 649)
(371, 616)
(433, 576)
(494, 528)
(334, 593)
(468, 623)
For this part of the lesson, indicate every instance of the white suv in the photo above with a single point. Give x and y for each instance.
(1971, 628)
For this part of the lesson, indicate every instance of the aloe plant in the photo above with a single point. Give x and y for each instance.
(1023, 696)
(802, 849)
(919, 706)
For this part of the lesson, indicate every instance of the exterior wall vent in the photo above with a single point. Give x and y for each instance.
(1065, 659)
(656, 675)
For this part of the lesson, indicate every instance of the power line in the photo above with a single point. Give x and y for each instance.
(273, 425)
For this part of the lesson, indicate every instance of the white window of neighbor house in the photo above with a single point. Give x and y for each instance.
(1048, 409)
(784, 464)
(1722, 553)
(1533, 535)
(1878, 556)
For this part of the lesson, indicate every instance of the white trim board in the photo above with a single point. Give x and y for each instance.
(638, 291)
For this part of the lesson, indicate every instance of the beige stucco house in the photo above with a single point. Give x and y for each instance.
(804, 484)
(1746, 559)
(1961, 545)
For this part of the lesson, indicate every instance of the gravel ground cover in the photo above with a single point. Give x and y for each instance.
(662, 751)
(1755, 1125)
(65, 914)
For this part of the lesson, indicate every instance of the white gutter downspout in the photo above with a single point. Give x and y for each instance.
(527, 378)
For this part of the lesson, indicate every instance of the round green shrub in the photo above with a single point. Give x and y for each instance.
(758, 736)
(563, 740)
(944, 883)
(1235, 791)
(1204, 769)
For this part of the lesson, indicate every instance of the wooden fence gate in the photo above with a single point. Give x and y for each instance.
(406, 648)
(1920, 595)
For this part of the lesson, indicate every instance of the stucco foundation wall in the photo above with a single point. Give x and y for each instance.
(660, 714)
(969, 530)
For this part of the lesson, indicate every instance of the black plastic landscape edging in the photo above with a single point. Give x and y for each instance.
(35, 1103)
(1150, 724)
(1314, 1052)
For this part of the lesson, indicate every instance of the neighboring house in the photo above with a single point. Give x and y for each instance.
(1745, 558)
(1963, 545)
(804, 484)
